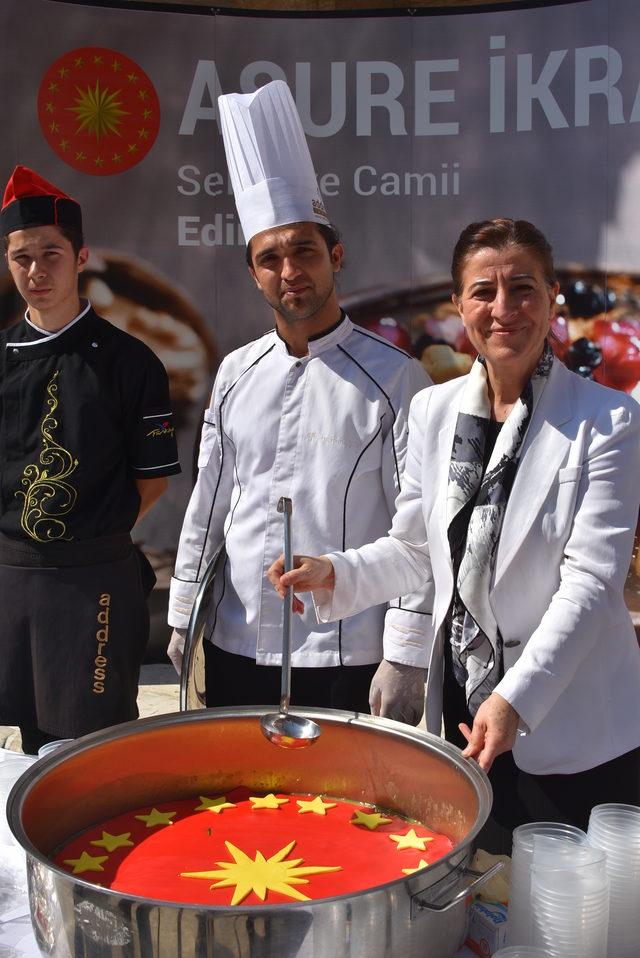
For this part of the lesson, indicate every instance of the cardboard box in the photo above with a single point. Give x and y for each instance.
(487, 928)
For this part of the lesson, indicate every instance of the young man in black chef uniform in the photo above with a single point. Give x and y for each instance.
(86, 444)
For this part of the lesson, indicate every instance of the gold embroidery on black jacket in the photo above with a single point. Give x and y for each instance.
(48, 496)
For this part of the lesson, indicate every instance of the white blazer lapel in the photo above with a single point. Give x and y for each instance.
(437, 520)
(544, 451)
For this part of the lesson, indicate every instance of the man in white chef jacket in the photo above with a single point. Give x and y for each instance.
(315, 410)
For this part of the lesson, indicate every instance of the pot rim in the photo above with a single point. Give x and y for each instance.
(21, 788)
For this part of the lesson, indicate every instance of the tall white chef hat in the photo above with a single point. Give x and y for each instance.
(269, 163)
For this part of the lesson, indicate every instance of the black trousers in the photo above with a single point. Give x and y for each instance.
(71, 645)
(519, 797)
(238, 680)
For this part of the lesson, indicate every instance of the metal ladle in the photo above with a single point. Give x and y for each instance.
(283, 728)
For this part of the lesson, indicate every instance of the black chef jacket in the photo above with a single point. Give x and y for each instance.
(83, 413)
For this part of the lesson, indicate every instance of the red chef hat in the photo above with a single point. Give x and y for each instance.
(29, 200)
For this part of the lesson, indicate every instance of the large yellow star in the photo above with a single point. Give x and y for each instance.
(86, 863)
(216, 805)
(261, 874)
(411, 840)
(315, 805)
(267, 801)
(111, 842)
(422, 864)
(155, 817)
(370, 821)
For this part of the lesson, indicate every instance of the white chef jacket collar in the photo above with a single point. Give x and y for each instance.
(46, 334)
(323, 341)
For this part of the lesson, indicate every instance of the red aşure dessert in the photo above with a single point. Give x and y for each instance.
(241, 848)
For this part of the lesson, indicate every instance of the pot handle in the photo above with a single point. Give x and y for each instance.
(479, 878)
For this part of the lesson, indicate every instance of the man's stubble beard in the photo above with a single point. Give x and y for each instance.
(291, 317)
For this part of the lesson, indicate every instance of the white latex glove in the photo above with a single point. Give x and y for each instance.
(397, 692)
(175, 649)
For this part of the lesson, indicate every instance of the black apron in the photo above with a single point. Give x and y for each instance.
(75, 627)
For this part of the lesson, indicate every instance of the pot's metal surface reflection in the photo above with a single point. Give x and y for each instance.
(169, 757)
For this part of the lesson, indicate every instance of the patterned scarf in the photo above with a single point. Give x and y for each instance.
(476, 503)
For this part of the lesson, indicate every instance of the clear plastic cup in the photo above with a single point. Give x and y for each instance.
(619, 823)
(521, 951)
(12, 765)
(572, 941)
(523, 835)
(564, 859)
(53, 746)
(569, 897)
(519, 919)
(615, 828)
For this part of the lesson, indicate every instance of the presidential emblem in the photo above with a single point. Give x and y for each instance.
(98, 110)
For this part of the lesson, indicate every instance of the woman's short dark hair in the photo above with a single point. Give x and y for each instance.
(499, 234)
(330, 235)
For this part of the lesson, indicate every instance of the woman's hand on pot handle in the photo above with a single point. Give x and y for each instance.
(308, 574)
(494, 731)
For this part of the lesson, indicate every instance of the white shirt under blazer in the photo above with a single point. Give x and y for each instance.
(329, 431)
(571, 658)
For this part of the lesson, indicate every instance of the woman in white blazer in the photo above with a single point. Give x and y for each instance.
(519, 503)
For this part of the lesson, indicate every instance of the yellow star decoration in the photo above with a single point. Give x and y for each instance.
(98, 111)
(261, 874)
(216, 805)
(111, 842)
(267, 801)
(370, 821)
(317, 806)
(410, 840)
(154, 817)
(86, 863)
(422, 864)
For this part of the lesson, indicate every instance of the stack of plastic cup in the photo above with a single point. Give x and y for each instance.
(616, 830)
(50, 747)
(521, 951)
(569, 898)
(520, 923)
(12, 765)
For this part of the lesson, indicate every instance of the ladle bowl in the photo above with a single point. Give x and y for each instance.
(289, 731)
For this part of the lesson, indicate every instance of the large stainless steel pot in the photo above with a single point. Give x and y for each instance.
(166, 757)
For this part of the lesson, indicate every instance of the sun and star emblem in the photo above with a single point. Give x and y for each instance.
(260, 874)
(98, 110)
(278, 873)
